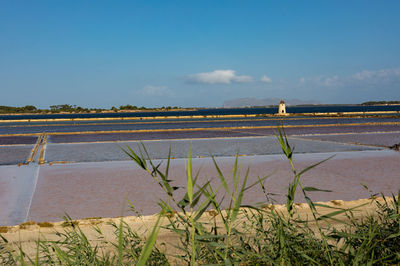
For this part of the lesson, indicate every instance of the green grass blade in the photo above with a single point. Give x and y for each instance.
(221, 177)
(316, 189)
(335, 213)
(258, 182)
(314, 165)
(189, 178)
(238, 201)
(138, 160)
(37, 261)
(283, 141)
(120, 242)
(148, 247)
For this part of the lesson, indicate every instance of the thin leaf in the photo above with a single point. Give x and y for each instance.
(316, 189)
(190, 178)
(148, 247)
(120, 242)
(314, 165)
(238, 201)
(221, 176)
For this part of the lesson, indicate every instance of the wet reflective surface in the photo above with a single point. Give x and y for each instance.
(376, 139)
(217, 111)
(81, 126)
(93, 152)
(14, 154)
(102, 189)
(18, 140)
(86, 174)
(17, 186)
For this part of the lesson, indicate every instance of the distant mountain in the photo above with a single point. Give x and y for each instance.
(247, 102)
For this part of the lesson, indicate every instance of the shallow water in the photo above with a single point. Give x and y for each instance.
(17, 186)
(166, 124)
(102, 189)
(377, 139)
(366, 135)
(103, 179)
(14, 154)
(221, 111)
(94, 152)
(18, 140)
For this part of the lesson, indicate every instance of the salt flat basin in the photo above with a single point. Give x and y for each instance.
(77, 126)
(97, 178)
(377, 139)
(14, 154)
(17, 186)
(103, 189)
(113, 151)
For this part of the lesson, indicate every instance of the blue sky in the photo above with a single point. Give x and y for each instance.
(197, 53)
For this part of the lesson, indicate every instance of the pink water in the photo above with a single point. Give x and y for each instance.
(103, 189)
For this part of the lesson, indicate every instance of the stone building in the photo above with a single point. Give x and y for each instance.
(282, 108)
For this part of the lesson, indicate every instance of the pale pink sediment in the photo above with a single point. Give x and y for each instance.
(103, 188)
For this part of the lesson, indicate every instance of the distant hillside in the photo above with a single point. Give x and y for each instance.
(381, 103)
(245, 102)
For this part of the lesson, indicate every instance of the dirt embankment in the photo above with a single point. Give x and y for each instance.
(27, 234)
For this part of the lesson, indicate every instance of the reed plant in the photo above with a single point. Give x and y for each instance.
(215, 227)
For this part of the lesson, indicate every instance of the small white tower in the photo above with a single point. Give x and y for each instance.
(282, 108)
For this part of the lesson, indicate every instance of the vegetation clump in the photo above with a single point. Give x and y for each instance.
(69, 222)
(395, 147)
(24, 109)
(68, 108)
(380, 102)
(26, 224)
(45, 224)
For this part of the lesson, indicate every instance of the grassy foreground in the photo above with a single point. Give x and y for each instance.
(207, 232)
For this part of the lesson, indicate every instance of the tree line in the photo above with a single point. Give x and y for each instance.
(380, 102)
(67, 108)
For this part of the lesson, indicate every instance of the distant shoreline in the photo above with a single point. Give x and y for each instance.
(106, 111)
(203, 112)
(147, 110)
(316, 114)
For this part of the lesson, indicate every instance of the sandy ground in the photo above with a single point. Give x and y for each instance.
(26, 235)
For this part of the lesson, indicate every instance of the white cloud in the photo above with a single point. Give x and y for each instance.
(365, 78)
(332, 81)
(242, 79)
(365, 74)
(266, 79)
(323, 81)
(377, 74)
(219, 77)
(150, 90)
